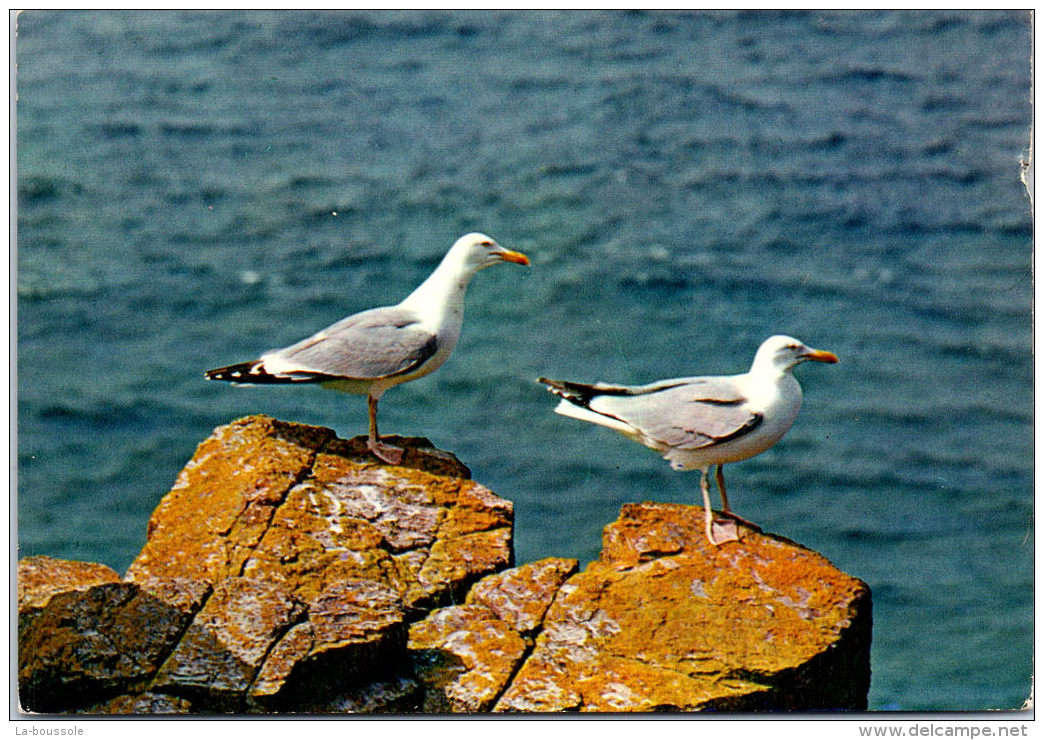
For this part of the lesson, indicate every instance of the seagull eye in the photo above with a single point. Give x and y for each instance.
(486, 243)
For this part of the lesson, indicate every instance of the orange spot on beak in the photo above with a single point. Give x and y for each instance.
(517, 257)
(820, 355)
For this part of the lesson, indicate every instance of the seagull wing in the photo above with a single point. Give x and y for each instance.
(379, 343)
(688, 413)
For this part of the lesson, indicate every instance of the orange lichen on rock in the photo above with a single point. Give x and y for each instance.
(465, 655)
(41, 577)
(286, 502)
(224, 498)
(664, 620)
(521, 596)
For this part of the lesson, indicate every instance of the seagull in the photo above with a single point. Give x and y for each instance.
(697, 423)
(369, 352)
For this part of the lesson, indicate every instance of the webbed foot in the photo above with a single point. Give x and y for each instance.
(385, 452)
(723, 531)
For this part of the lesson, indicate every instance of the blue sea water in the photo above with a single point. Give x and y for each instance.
(196, 187)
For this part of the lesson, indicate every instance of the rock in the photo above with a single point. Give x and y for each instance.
(222, 650)
(398, 694)
(85, 645)
(224, 498)
(41, 577)
(665, 621)
(354, 631)
(465, 655)
(184, 594)
(282, 557)
(293, 504)
(146, 703)
(521, 596)
(289, 571)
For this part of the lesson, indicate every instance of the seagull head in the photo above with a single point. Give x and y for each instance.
(477, 251)
(780, 353)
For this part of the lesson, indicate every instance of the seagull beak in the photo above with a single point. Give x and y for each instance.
(508, 256)
(819, 355)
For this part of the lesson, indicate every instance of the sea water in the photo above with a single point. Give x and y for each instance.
(197, 187)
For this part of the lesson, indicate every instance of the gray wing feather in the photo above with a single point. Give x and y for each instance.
(688, 413)
(378, 343)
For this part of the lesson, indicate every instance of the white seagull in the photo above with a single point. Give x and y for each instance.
(369, 352)
(696, 423)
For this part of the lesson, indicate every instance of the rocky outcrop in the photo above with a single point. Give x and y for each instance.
(665, 621)
(283, 558)
(293, 505)
(289, 571)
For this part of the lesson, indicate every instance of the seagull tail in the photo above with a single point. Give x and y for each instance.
(572, 408)
(576, 403)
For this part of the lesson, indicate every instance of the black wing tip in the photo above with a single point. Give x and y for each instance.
(254, 373)
(578, 394)
(558, 387)
(233, 373)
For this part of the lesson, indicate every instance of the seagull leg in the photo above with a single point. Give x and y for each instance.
(727, 529)
(708, 515)
(710, 525)
(720, 478)
(386, 452)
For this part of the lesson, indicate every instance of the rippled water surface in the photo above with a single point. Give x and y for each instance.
(195, 188)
